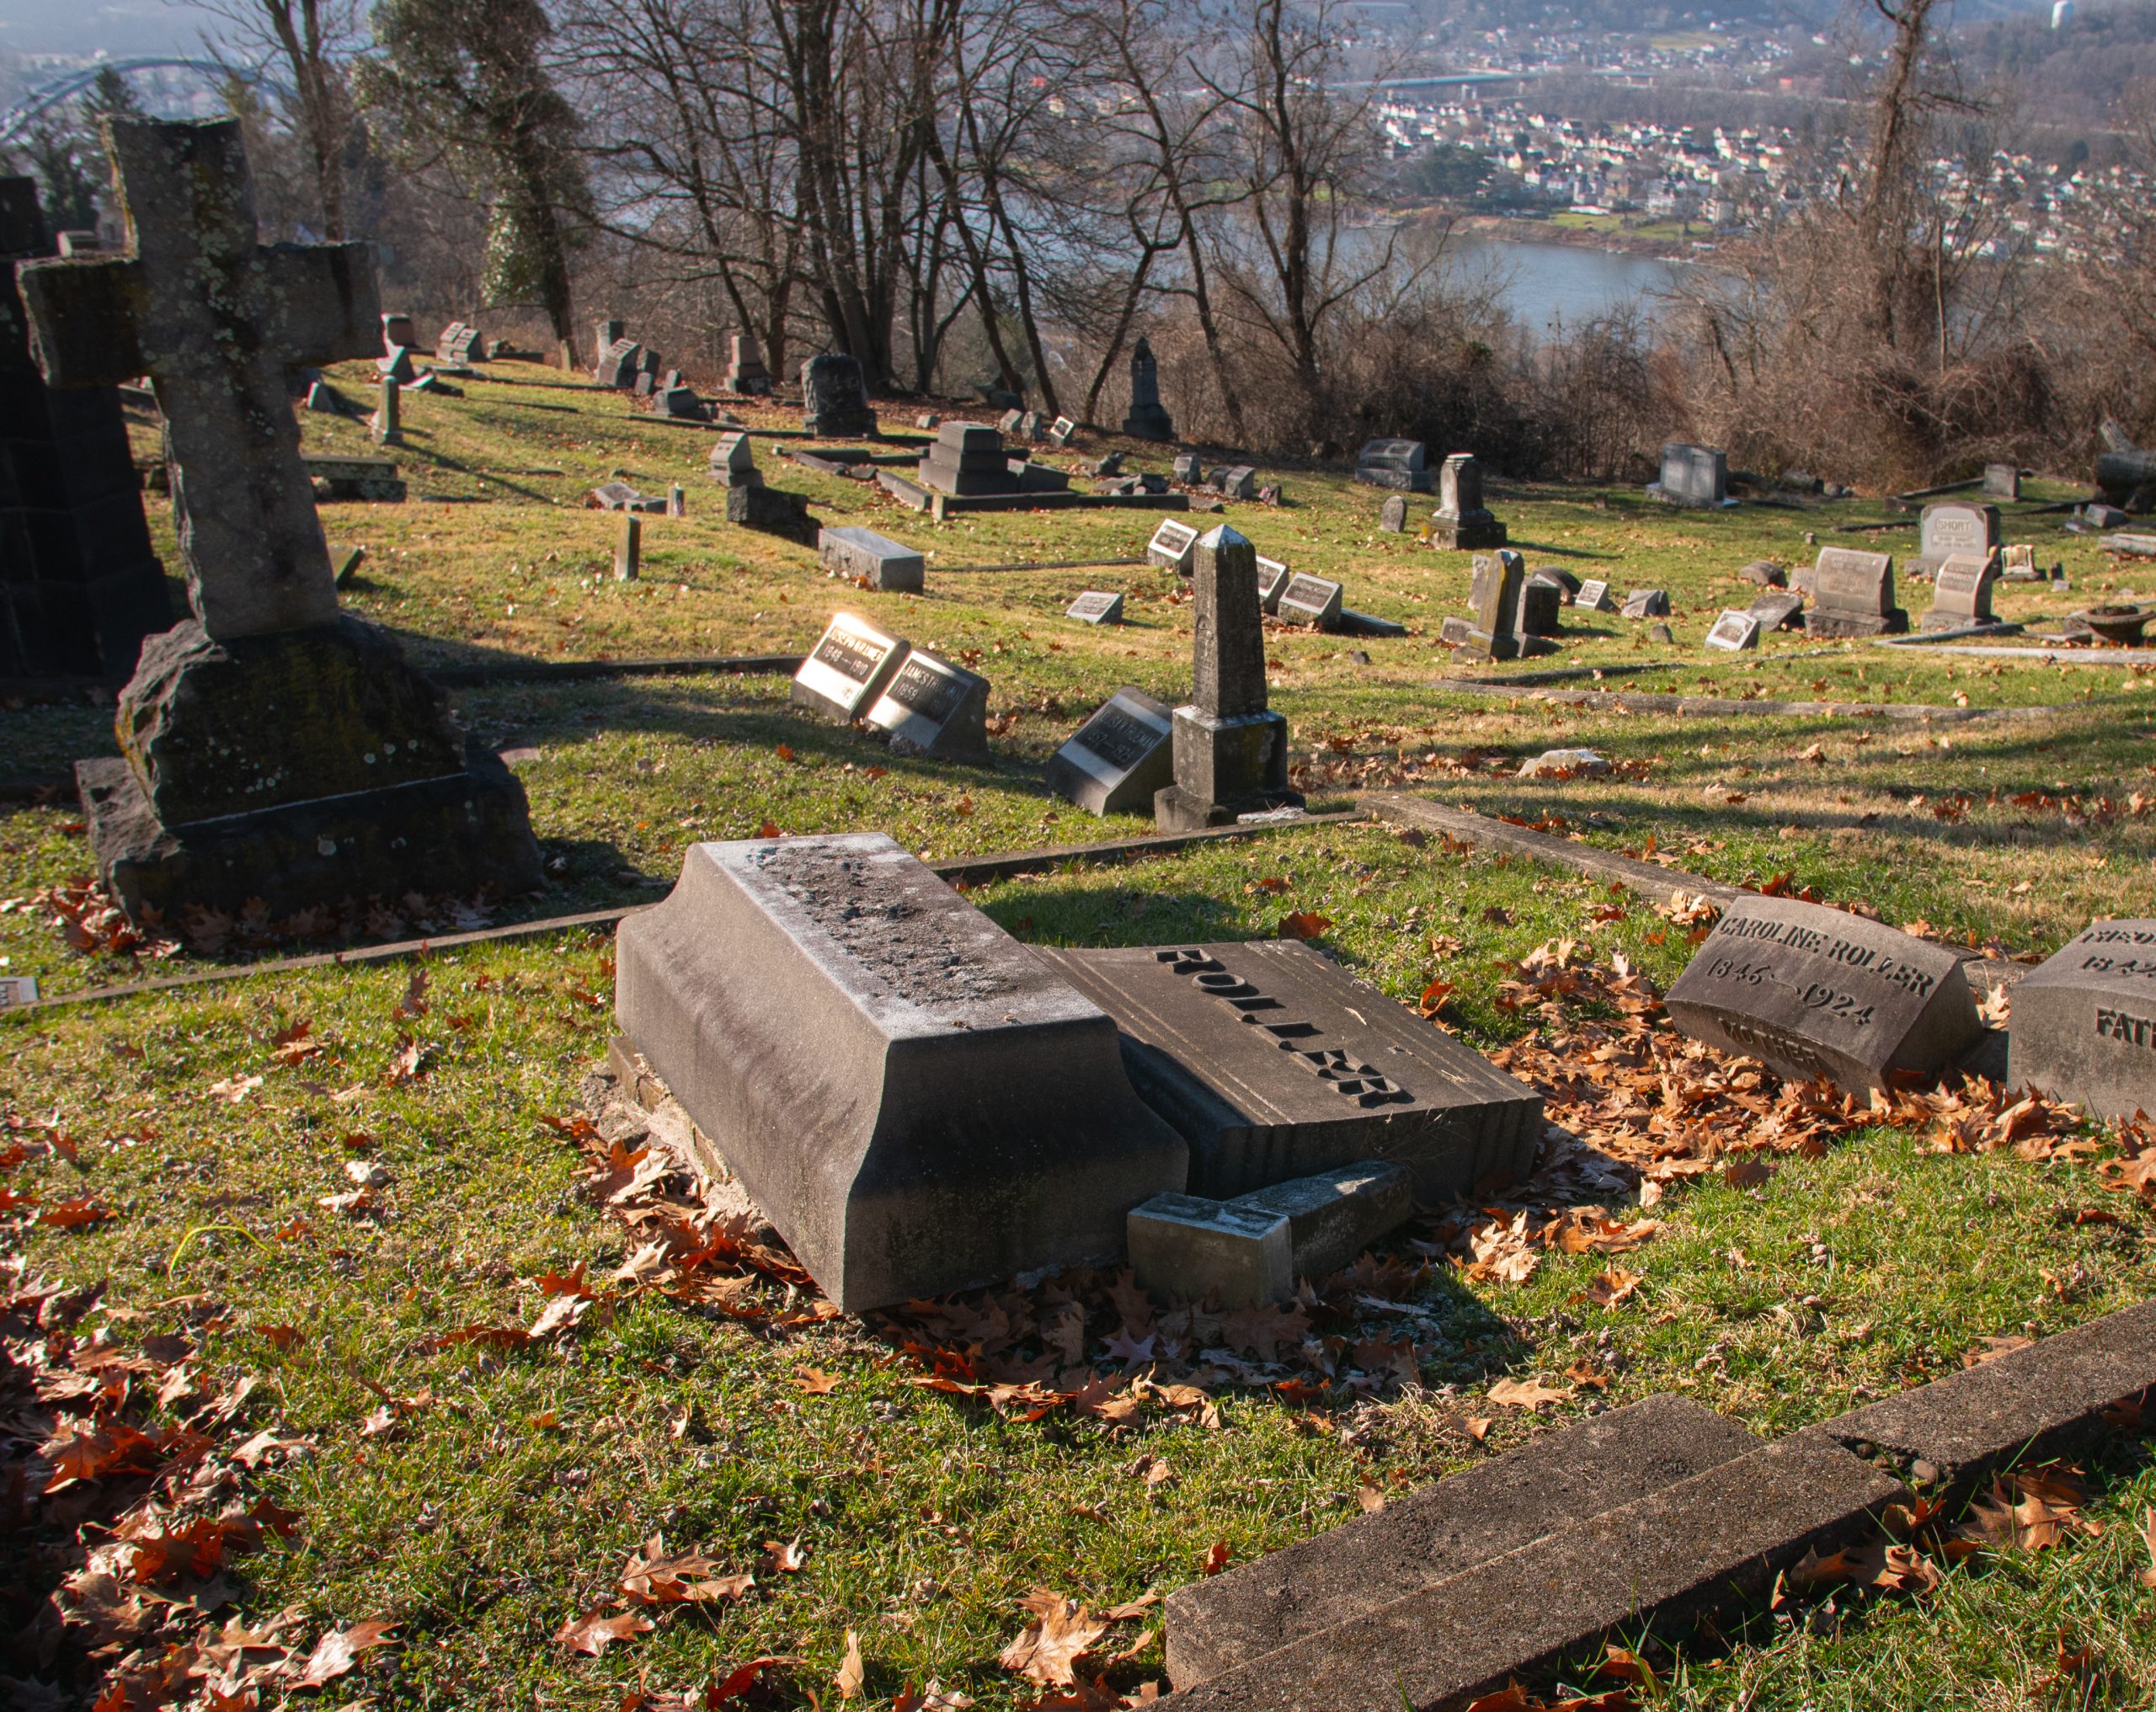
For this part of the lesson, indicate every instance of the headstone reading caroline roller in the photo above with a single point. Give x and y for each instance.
(913, 1099)
(274, 748)
(2084, 1022)
(1230, 752)
(1818, 993)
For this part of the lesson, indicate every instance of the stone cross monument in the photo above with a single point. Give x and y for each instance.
(1230, 752)
(276, 748)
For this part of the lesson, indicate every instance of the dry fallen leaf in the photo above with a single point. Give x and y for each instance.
(1063, 1632)
(1525, 1393)
(814, 1382)
(338, 1651)
(852, 1674)
(595, 1631)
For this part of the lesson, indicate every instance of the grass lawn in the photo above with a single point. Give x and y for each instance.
(482, 1491)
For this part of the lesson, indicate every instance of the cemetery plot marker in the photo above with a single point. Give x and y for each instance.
(852, 664)
(1119, 758)
(834, 400)
(1734, 631)
(1172, 546)
(913, 1099)
(1096, 606)
(1272, 580)
(1309, 600)
(274, 747)
(2084, 1022)
(1400, 464)
(1853, 595)
(1461, 520)
(1594, 597)
(1961, 592)
(1818, 993)
(887, 565)
(934, 708)
(1273, 1063)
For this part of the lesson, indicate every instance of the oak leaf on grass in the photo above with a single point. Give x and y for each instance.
(1048, 1649)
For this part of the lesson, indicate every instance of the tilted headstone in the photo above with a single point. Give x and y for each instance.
(1461, 520)
(1238, 481)
(1011, 423)
(2002, 481)
(1648, 603)
(1116, 761)
(1272, 580)
(745, 373)
(679, 402)
(734, 462)
(850, 666)
(968, 457)
(1392, 516)
(274, 748)
(645, 384)
(1231, 751)
(1540, 602)
(1766, 573)
(1062, 431)
(854, 551)
(1274, 1063)
(1595, 597)
(1401, 464)
(1778, 608)
(1733, 633)
(1189, 468)
(1817, 993)
(1493, 597)
(1853, 595)
(932, 707)
(1096, 606)
(2084, 1025)
(909, 1096)
(80, 587)
(605, 334)
(619, 364)
(1692, 475)
(326, 400)
(396, 332)
(1956, 526)
(1173, 546)
(834, 398)
(460, 343)
(1309, 600)
(1961, 592)
(1147, 420)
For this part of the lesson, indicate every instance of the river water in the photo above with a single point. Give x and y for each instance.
(1543, 283)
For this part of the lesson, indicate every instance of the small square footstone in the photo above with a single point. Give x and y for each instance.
(1171, 547)
(1183, 1245)
(1309, 600)
(887, 565)
(2084, 1022)
(1276, 1063)
(932, 707)
(1705, 1544)
(1820, 993)
(1594, 596)
(1439, 1530)
(1648, 603)
(1734, 631)
(1333, 1216)
(1096, 606)
(913, 1099)
(1853, 595)
(1115, 762)
(2025, 1407)
(849, 668)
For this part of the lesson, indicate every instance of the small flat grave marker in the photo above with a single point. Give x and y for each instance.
(1171, 547)
(1818, 993)
(1778, 609)
(1595, 597)
(1096, 606)
(1062, 432)
(935, 708)
(1272, 580)
(1116, 760)
(17, 989)
(887, 565)
(2084, 1022)
(1734, 631)
(1648, 603)
(848, 669)
(1309, 600)
(1275, 1063)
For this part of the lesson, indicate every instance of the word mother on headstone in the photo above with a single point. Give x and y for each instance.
(1116, 761)
(912, 1098)
(1819, 994)
(2084, 1022)
(274, 748)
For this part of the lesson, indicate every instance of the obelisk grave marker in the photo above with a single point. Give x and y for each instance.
(275, 748)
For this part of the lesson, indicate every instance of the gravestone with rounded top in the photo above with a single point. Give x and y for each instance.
(1853, 595)
(1119, 758)
(1392, 516)
(2084, 1025)
(273, 747)
(1231, 751)
(1819, 994)
(1961, 592)
(914, 1101)
(1956, 526)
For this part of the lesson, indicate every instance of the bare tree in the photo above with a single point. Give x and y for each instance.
(314, 40)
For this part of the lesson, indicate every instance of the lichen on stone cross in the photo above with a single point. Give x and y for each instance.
(1228, 640)
(216, 320)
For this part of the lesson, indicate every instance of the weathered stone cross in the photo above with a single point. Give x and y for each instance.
(215, 320)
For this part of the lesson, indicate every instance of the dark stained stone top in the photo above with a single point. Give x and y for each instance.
(1228, 644)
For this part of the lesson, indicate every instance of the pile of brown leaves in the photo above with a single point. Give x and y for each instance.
(84, 913)
(117, 1441)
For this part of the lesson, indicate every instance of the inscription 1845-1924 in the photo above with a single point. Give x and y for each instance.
(1817, 993)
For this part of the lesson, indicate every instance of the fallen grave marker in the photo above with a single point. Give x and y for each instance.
(850, 666)
(1119, 758)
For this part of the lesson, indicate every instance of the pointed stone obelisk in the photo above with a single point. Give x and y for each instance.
(1230, 752)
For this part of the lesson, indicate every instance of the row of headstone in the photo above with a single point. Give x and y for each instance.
(80, 587)
(921, 704)
(1294, 596)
